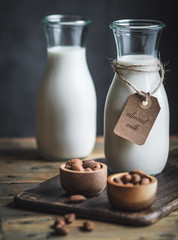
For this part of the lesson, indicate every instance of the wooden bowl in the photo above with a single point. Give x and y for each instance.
(133, 198)
(85, 183)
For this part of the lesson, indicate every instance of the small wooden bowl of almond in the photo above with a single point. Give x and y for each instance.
(133, 191)
(86, 177)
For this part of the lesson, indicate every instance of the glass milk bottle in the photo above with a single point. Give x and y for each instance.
(137, 48)
(66, 103)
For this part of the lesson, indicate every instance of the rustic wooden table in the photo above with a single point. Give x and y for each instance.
(21, 167)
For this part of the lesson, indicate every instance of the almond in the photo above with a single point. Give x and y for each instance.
(86, 163)
(137, 171)
(88, 226)
(93, 165)
(118, 180)
(61, 230)
(136, 178)
(69, 218)
(96, 167)
(76, 198)
(145, 181)
(67, 166)
(77, 167)
(58, 222)
(88, 170)
(126, 178)
(74, 160)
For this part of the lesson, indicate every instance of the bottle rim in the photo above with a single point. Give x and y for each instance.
(137, 24)
(65, 20)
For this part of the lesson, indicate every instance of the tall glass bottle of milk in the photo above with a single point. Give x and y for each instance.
(137, 49)
(66, 103)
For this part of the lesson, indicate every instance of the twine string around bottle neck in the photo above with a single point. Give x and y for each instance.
(119, 68)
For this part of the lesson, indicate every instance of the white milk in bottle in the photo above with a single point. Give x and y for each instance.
(66, 105)
(122, 154)
(136, 45)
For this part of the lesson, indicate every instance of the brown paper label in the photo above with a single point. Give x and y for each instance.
(137, 119)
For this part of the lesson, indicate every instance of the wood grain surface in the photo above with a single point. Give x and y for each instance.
(21, 168)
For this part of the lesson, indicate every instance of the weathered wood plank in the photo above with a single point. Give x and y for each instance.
(19, 156)
(8, 210)
(1, 232)
(11, 189)
(7, 206)
(27, 177)
(173, 142)
(14, 143)
(39, 228)
(20, 147)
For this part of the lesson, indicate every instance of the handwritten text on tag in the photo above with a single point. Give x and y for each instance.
(137, 119)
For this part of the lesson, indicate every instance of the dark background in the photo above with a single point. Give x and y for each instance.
(23, 53)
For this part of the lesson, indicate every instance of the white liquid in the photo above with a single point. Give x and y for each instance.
(66, 106)
(122, 155)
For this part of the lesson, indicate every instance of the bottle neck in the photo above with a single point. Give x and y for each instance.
(137, 37)
(65, 30)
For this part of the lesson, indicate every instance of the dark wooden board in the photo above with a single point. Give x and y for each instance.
(50, 197)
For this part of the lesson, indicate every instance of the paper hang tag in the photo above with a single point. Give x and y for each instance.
(137, 119)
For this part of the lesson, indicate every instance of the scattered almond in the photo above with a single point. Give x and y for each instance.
(69, 218)
(76, 198)
(58, 222)
(88, 226)
(61, 230)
